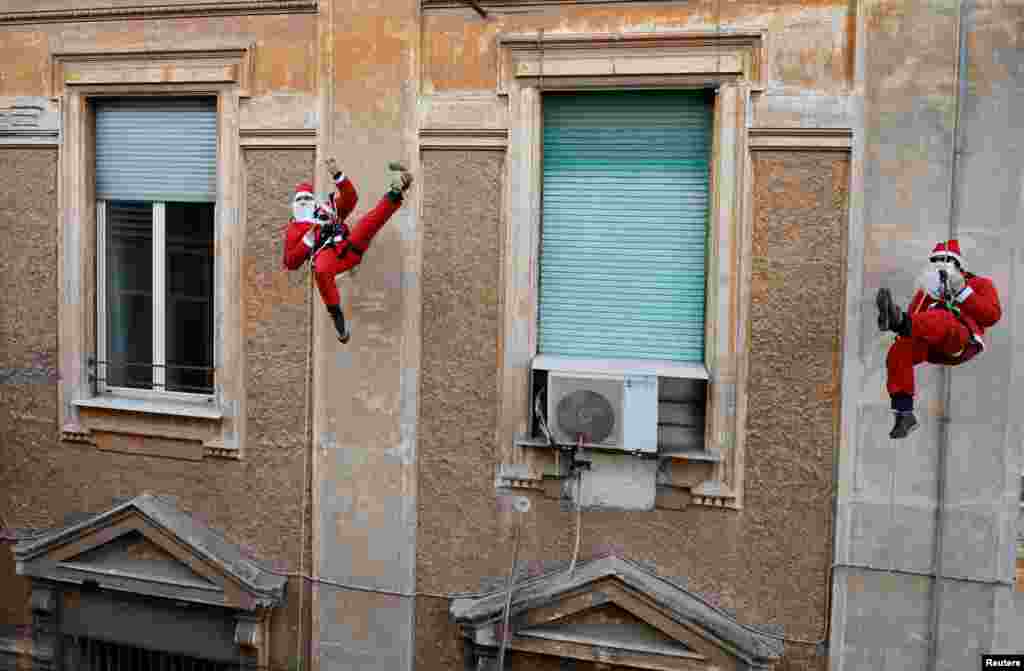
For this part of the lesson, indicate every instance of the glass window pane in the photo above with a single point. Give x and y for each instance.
(189, 325)
(129, 295)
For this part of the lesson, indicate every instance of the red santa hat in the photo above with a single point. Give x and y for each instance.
(948, 248)
(304, 187)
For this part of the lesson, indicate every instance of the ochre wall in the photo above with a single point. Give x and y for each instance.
(254, 502)
(768, 562)
(812, 43)
(284, 47)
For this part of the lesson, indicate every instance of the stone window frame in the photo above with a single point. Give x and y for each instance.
(76, 79)
(734, 64)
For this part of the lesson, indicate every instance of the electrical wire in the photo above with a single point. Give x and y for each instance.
(508, 597)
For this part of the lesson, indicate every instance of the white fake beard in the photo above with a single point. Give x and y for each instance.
(302, 212)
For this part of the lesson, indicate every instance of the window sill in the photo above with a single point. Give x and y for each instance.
(660, 368)
(198, 410)
(173, 428)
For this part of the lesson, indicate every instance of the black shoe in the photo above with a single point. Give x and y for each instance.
(905, 424)
(344, 332)
(889, 316)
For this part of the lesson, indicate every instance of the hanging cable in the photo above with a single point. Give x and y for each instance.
(505, 636)
(947, 374)
(306, 452)
(476, 6)
(579, 507)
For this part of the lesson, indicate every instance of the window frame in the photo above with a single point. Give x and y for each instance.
(77, 79)
(734, 64)
(159, 316)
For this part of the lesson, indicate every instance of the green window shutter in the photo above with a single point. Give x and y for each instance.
(625, 211)
(156, 149)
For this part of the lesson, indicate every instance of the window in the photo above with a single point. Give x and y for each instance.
(155, 205)
(530, 68)
(152, 127)
(90, 654)
(625, 205)
(624, 224)
(157, 264)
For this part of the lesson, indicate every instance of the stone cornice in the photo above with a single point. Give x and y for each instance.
(803, 139)
(199, 8)
(464, 138)
(506, 4)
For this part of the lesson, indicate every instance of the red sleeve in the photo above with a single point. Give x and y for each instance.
(346, 198)
(982, 302)
(295, 249)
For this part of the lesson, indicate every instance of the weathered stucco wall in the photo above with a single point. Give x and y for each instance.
(278, 305)
(28, 337)
(811, 47)
(284, 47)
(886, 526)
(255, 502)
(769, 563)
(365, 412)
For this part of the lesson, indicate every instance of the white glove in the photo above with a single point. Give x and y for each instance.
(930, 282)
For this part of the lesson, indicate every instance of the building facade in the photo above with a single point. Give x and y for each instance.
(618, 343)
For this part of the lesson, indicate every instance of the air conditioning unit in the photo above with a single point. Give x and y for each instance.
(618, 412)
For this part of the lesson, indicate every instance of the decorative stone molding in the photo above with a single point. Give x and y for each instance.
(734, 64)
(278, 138)
(666, 59)
(44, 598)
(163, 11)
(801, 139)
(151, 66)
(567, 616)
(510, 4)
(464, 138)
(77, 78)
(220, 573)
(28, 121)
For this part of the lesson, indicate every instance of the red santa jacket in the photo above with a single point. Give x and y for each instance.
(302, 237)
(978, 302)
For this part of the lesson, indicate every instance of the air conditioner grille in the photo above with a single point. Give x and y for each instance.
(592, 406)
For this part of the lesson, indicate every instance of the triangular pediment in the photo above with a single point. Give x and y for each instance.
(614, 610)
(613, 627)
(147, 546)
(133, 554)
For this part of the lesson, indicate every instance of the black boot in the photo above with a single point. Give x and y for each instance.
(890, 318)
(905, 424)
(344, 332)
(903, 406)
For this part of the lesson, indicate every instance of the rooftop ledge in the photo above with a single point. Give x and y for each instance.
(175, 407)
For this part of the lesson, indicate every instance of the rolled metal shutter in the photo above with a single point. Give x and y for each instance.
(156, 149)
(624, 234)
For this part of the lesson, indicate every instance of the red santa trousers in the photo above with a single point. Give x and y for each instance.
(332, 261)
(936, 336)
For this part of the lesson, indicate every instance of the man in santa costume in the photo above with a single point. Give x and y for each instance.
(318, 231)
(943, 325)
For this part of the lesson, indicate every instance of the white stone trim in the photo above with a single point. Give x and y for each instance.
(79, 77)
(735, 64)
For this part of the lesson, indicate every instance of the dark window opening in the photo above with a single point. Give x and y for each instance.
(89, 654)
